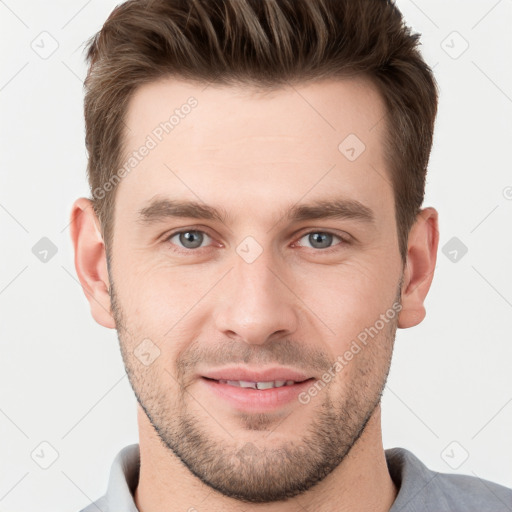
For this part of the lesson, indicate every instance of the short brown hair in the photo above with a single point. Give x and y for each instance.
(264, 44)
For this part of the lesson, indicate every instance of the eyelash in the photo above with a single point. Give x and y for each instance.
(344, 241)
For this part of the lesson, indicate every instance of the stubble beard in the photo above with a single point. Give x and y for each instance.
(255, 472)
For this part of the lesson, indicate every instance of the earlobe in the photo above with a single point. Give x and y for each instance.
(90, 260)
(419, 272)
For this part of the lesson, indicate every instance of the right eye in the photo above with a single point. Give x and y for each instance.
(190, 239)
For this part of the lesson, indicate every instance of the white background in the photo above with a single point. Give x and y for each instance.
(62, 380)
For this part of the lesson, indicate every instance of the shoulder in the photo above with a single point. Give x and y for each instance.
(123, 479)
(99, 504)
(423, 489)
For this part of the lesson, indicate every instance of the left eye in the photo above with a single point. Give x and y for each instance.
(321, 239)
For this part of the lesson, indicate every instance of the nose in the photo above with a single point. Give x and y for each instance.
(256, 302)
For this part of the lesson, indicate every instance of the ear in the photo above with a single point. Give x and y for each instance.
(91, 260)
(420, 265)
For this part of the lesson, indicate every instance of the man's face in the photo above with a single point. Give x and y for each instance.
(257, 290)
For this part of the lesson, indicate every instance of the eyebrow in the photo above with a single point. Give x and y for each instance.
(160, 209)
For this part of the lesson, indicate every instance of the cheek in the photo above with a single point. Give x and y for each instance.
(349, 297)
(160, 304)
(152, 288)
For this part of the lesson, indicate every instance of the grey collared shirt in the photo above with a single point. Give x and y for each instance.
(419, 488)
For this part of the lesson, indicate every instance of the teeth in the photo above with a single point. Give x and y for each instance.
(265, 385)
(242, 383)
(258, 385)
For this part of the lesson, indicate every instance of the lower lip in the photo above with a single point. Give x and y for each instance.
(250, 399)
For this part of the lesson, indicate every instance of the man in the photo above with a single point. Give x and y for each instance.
(255, 235)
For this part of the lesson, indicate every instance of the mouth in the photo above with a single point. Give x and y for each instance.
(256, 396)
(259, 385)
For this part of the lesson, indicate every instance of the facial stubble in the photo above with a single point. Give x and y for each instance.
(259, 472)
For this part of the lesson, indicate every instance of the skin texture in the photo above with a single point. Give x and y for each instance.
(256, 155)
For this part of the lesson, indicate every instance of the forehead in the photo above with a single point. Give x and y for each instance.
(239, 147)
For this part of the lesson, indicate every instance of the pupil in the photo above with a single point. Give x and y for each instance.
(187, 238)
(317, 236)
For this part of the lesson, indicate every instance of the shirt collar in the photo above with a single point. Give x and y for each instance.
(123, 480)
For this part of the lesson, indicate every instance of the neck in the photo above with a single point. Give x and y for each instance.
(361, 482)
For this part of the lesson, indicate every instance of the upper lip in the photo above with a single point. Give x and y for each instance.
(261, 375)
